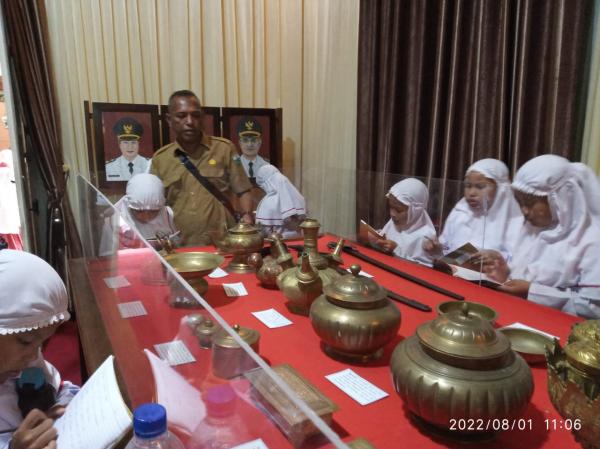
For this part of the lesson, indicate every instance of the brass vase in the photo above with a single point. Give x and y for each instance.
(301, 286)
(310, 231)
(458, 367)
(354, 318)
(241, 241)
(574, 382)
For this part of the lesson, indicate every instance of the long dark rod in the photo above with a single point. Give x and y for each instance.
(403, 275)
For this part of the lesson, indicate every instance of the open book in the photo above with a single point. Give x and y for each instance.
(97, 417)
(463, 264)
(367, 234)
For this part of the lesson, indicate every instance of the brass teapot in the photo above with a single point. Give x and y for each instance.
(267, 269)
(241, 241)
(574, 381)
(354, 317)
(301, 286)
(458, 367)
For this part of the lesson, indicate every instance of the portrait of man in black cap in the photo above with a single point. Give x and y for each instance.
(128, 132)
(250, 137)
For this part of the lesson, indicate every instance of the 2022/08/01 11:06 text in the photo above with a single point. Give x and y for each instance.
(497, 424)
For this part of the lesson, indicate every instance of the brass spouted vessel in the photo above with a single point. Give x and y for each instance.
(241, 241)
(354, 317)
(310, 231)
(301, 286)
(574, 382)
(458, 368)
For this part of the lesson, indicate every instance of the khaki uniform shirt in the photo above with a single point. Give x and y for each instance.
(198, 214)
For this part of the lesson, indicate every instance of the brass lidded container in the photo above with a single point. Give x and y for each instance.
(301, 286)
(205, 331)
(241, 241)
(310, 231)
(354, 317)
(459, 367)
(574, 381)
(229, 359)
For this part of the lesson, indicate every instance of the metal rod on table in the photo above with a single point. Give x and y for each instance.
(356, 253)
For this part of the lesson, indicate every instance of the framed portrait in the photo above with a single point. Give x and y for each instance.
(125, 137)
(211, 125)
(252, 128)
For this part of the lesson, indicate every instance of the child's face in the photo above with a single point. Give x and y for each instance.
(479, 190)
(535, 209)
(18, 350)
(398, 212)
(144, 216)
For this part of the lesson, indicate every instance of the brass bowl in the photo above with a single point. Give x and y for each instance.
(193, 266)
(482, 311)
(531, 345)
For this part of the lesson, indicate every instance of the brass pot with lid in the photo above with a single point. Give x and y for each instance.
(229, 359)
(354, 317)
(459, 367)
(574, 381)
(241, 241)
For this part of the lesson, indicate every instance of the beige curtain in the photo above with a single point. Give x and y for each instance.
(591, 135)
(297, 55)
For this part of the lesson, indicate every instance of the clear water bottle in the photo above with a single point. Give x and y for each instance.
(150, 429)
(222, 428)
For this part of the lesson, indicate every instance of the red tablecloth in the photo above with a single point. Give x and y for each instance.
(385, 423)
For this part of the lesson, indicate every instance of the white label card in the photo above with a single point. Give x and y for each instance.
(131, 309)
(256, 444)
(174, 353)
(116, 281)
(272, 318)
(359, 389)
(361, 273)
(518, 325)
(218, 273)
(236, 289)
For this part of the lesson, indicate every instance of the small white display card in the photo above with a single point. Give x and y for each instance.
(361, 273)
(131, 309)
(272, 318)
(359, 389)
(256, 444)
(174, 353)
(518, 325)
(236, 289)
(218, 273)
(116, 281)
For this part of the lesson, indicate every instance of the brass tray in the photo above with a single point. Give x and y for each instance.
(531, 345)
(289, 418)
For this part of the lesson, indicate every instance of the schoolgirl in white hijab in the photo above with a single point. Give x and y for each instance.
(283, 207)
(144, 208)
(557, 263)
(409, 226)
(31, 308)
(488, 215)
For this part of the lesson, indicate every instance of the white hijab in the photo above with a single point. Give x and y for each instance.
(32, 294)
(499, 228)
(589, 183)
(564, 254)
(412, 193)
(282, 199)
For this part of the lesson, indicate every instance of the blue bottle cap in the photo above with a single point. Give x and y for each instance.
(33, 376)
(149, 420)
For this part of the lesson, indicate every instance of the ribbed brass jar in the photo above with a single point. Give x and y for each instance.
(574, 382)
(459, 367)
(241, 241)
(354, 317)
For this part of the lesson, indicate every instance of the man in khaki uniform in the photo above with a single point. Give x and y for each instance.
(197, 211)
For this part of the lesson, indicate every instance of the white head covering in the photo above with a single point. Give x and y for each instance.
(145, 192)
(412, 193)
(589, 183)
(554, 256)
(282, 199)
(497, 228)
(32, 294)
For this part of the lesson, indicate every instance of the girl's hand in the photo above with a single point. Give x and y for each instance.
(387, 245)
(35, 432)
(493, 264)
(516, 287)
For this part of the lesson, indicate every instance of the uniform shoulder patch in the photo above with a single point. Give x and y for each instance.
(164, 149)
(221, 139)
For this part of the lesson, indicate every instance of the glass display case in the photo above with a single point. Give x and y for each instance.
(210, 342)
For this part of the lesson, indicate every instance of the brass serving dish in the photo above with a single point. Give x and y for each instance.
(574, 381)
(354, 318)
(530, 344)
(193, 266)
(475, 308)
(459, 367)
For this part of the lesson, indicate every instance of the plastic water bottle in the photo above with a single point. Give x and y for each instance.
(222, 428)
(150, 429)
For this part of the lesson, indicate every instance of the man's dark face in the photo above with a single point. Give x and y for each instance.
(185, 119)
